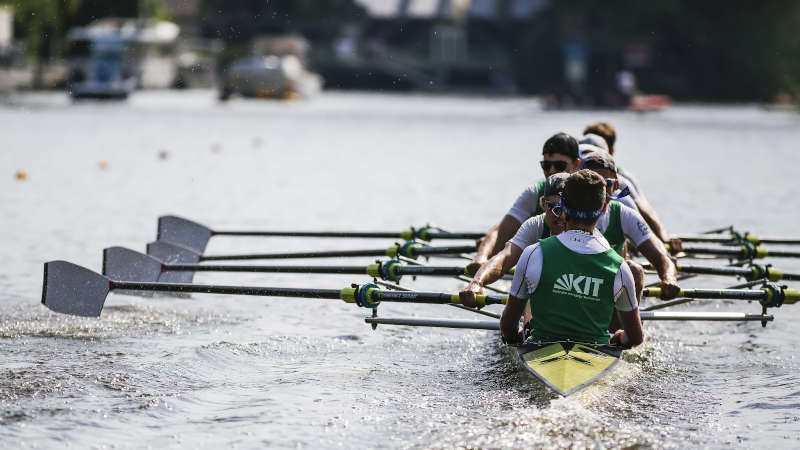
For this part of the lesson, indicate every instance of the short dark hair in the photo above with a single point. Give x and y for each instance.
(604, 130)
(584, 191)
(562, 144)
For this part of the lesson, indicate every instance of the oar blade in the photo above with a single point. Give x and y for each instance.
(184, 232)
(72, 289)
(124, 264)
(173, 254)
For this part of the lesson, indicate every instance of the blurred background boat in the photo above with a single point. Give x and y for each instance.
(110, 58)
(275, 70)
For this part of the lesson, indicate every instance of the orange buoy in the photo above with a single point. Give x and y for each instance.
(103, 165)
(21, 175)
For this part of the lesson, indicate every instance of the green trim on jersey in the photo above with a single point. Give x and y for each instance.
(574, 299)
(614, 234)
(539, 195)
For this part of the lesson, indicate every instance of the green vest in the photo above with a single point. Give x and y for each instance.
(614, 234)
(574, 299)
(539, 194)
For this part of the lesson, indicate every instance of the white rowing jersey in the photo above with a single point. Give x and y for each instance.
(529, 268)
(526, 204)
(633, 227)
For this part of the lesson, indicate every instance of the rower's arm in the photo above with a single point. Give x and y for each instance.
(655, 253)
(493, 242)
(649, 214)
(632, 333)
(499, 265)
(509, 321)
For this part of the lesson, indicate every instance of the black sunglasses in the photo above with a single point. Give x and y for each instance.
(560, 166)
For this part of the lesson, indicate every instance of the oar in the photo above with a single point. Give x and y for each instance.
(738, 238)
(167, 251)
(752, 272)
(744, 251)
(76, 290)
(494, 325)
(770, 296)
(120, 263)
(195, 236)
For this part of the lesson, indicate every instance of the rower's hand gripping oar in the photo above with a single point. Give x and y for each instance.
(196, 236)
(75, 290)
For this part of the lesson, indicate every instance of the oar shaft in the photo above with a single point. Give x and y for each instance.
(705, 316)
(494, 325)
(718, 294)
(782, 254)
(406, 234)
(430, 270)
(320, 234)
(779, 240)
(742, 252)
(372, 270)
(736, 239)
(409, 249)
(368, 292)
(236, 290)
(294, 255)
(352, 270)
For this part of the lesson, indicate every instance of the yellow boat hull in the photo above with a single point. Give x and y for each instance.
(566, 367)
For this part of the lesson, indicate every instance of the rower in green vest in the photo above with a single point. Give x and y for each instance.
(608, 135)
(559, 154)
(618, 223)
(575, 281)
(621, 222)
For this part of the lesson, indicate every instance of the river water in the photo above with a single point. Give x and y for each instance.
(212, 370)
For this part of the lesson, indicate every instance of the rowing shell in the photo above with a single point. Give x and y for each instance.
(566, 367)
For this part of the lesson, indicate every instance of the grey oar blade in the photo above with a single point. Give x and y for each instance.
(72, 289)
(173, 254)
(120, 263)
(184, 232)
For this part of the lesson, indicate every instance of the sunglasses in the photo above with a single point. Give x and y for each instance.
(610, 182)
(554, 207)
(560, 166)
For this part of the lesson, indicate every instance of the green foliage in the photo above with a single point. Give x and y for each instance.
(710, 49)
(44, 23)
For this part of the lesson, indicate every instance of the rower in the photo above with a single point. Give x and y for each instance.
(559, 154)
(617, 223)
(591, 143)
(607, 132)
(575, 281)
